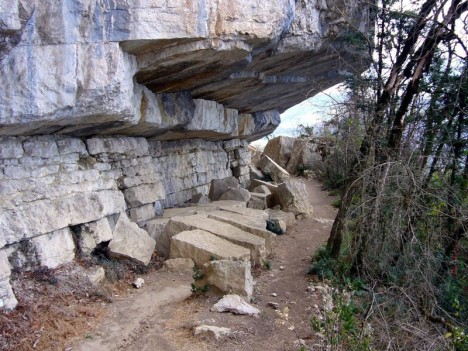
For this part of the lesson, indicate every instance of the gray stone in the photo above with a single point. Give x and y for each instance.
(219, 186)
(130, 147)
(263, 189)
(234, 304)
(199, 199)
(254, 224)
(288, 217)
(7, 296)
(304, 157)
(55, 249)
(41, 146)
(231, 277)
(272, 169)
(45, 216)
(257, 203)
(68, 145)
(181, 265)
(279, 149)
(202, 246)
(254, 243)
(293, 197)
(10, 147)
(257, 182)
(236, 195)
(255, 173)
(142, 213)
(129, 241)
(155, 228)
(92, 234)
(143, 194)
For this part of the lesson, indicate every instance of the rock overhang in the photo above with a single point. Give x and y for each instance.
(83, 68)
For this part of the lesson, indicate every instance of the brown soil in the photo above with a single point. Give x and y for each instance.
(162, 314)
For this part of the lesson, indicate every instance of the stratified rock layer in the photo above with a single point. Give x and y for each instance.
(116, 108)
(83, 67)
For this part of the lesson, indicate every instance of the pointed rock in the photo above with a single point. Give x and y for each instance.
(235, 304)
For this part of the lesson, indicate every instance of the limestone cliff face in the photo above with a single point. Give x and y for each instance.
(112, 107)
(87, 67)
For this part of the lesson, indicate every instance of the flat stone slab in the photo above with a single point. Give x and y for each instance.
(249, 224)
(201, 246)
(249, 212)
(203, 208)
(254, 243)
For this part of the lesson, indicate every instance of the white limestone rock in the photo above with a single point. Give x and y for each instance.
(201, 246)
(142, 213)
(56, 248)
(143, 194)
(256, 244)
(293, 197)
(279, 149)
(272, 169)
(92, 234)
(130, 241)
(232, 277)
(219, 186)
(234, 304)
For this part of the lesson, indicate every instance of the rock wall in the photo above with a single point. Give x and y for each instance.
(51, 185)
(110, 107)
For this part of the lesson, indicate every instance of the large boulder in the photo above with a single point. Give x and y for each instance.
(272, 169)
(304, 157)
(292, 196)
(236, 195)
(279, 149)
(219, 186)
(228, 277)
(131, 242)
(202, 246)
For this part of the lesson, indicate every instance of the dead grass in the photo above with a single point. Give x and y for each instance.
(57, 306)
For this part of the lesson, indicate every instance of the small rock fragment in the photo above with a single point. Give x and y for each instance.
(234, 304)
(273, 305)
(281, 268)
(138, 283)
(274, 294)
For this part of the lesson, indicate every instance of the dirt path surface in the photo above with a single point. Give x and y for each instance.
(162, 315)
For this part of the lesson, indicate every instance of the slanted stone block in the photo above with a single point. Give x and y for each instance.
(130, 241)
(249, 224)
(255, 244)
(272, 169)
(219, 186)
(201, 246)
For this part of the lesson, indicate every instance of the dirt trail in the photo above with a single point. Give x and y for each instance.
(161, 315)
